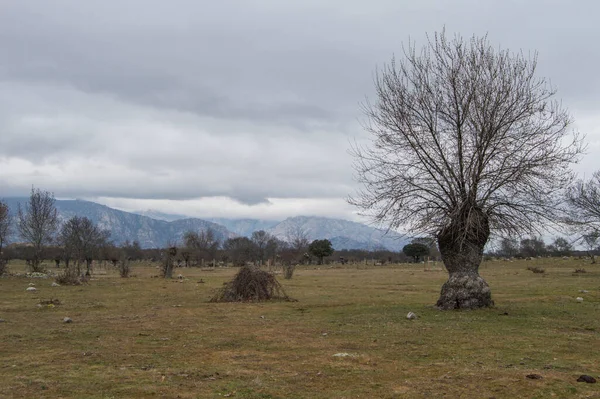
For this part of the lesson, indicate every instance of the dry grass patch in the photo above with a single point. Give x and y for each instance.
(146, 337)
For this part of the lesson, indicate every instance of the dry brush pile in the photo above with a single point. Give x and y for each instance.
(251, 284)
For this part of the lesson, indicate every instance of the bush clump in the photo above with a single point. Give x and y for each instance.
(536, 269)
(251, 284)
(124, 267)
(69, 277)
(288, 271)
(3, 267)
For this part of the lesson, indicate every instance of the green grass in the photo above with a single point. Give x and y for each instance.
(146, 337)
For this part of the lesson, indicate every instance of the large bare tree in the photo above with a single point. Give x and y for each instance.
(37, 223)
(465, 140)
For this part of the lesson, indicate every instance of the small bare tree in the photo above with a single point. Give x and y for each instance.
(590, 240)
(261, 240)
(583, 198)
(168, 264)
(37, 223)
(4, 233)
(297, 237)
(83, 240)
(465, 140)
(5, 224)
(203, 244)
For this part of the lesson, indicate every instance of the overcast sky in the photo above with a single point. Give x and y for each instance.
(237, 108)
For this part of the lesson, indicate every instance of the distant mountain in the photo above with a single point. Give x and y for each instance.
(167, 217)
(343, 234)
(244, 227)
(152, 232)
(125, 226)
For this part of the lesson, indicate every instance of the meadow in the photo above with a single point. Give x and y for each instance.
(346, 336)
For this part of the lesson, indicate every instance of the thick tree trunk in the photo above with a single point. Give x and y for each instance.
(461, 246)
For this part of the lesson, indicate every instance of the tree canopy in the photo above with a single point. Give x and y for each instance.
(320, 249)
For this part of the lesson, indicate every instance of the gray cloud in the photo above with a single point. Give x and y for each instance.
(252, 100)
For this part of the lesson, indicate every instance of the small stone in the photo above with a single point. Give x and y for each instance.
(584, 291)
(180, 276)
(2, 320)
(31, 285)
(67, 320)
(579, 299)
(586, 378)
(411, 316)
(343, 354)
(324, 334)
(31, 289)
(534, 376)
(55, 284)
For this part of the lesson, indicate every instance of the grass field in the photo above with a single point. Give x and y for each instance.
(146, 337)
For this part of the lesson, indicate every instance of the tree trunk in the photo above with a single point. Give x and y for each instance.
(461, 246)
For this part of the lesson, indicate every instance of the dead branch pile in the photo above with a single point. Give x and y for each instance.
(251, 284)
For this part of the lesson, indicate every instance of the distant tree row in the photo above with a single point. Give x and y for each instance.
(78, 241)
(530, 247)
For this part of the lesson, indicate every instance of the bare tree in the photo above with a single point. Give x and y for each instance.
(5, 224)
(583, 198)
(298, 238)
(37, 223)
(509, 247)
(83, 240)
(261, 239)
(168, 264)
(465, 140)
(203, 244)
(590, 240)
(240, 250)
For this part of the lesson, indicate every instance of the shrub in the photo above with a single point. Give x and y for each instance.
(251, 284)
(168, 263)
(580, 271)
(536, 269)
(3, 266)
(124, 267)
(288, 271)
(69, 277)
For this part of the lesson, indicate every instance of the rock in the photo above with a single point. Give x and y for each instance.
(586, 378)
(411, 316)
(31, 285)
(534, 376)
(55, 284)
(584, 291)
(344, 354)
(180, 276)
(579, 299)
(31, 289)
(67, 320)
(37, 275)
(2, 320)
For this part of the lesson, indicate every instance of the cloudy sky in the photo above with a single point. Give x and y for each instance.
(241, 108)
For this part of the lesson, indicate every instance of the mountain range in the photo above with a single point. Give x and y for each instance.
(156, 229)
